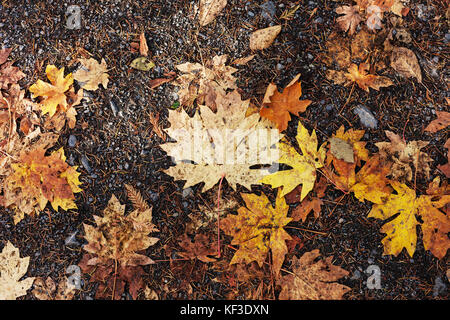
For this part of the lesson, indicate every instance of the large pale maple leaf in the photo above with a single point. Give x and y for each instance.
(258, 228)
(226, 143)
(53, 93)
(92, 74)
(303, 165)
(277, 105)
(12, 269)
(401, 231)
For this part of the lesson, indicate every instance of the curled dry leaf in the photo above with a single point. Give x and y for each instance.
(277, 106)
(350, 19)
(258, 228)
(263, 38)
(405, 62)
(143, 48)
(92, 74)
(12, 269)
(209, 10)
(312, 280)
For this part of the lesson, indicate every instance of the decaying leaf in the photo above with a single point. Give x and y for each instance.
(143, 48)
(303, 166)
(405, 62)
(401, 231)
(142, 63)
(361, 45)
(399, 156)
(338, 51)
(204, 84)
(277, 106)
(92, 74)
(118, 237)
(313, 280)
(341, 149)
(47, 289)
(200, 249)
(446, 167)
(258, 228)
(350, 19)
(38, 179)
(8, 73)
(209, 10)
(210, 145)
(442, 121)
(12, 269)
(263, 38)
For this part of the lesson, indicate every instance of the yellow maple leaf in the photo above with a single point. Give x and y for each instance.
(53, 92)
(257, 229)
(401, 231)
(303, 166)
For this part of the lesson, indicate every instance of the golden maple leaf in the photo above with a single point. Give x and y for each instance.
(93, 74)
(38, 179)
(312, 280)
(258, 228)
(53, 93)
(277, 106)
(118, 237)
(12, 269)
(401, 231)
(303, 166)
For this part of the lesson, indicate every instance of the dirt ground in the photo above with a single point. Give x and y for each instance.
(115, 143)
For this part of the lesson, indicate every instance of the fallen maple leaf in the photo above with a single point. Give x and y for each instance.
(211, 145)
(442, 121)
(277, 106)
(365, 80)
(119, 237)
(350, 19)
(258, 228)
(200, 249)
(12, 269)
(263, 38)
(303, 166)
(92, 74)
(399, 156)
(38, 179)
(312, 280)
(53, 93)
(401, 231)
(302, 211)
(209, 10)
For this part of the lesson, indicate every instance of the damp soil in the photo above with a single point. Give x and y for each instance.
(113, 142)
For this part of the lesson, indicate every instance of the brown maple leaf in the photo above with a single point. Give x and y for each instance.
(277, 106)
(312, 280)
(442, 121)
(200, 249)
(350, 19)
(8, 73)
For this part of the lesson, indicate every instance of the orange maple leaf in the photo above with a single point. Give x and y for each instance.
(277, 106)
(365, 80)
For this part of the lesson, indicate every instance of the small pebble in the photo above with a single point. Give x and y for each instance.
(72, 141)
(366, 117)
